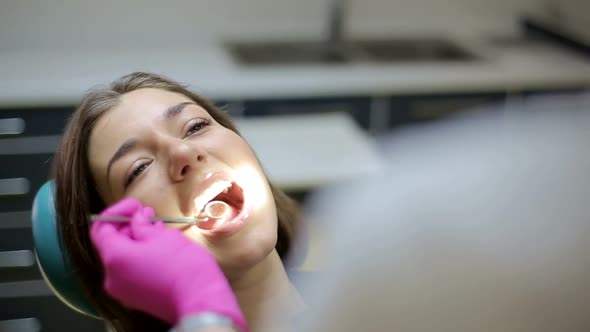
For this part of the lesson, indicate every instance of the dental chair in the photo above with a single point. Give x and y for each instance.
(51, 254)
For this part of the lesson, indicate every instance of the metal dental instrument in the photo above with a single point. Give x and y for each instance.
(174, 220)
(207, 213)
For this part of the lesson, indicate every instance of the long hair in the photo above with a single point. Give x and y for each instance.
(76, 196)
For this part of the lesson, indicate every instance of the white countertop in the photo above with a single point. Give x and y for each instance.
(60, 77)
(300, 152)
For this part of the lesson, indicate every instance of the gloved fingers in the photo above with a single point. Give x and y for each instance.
(148, 211)
(125, 230)
(108, 237)
(99, 231)
(125, 207)
(159, 225)
(141, 227)
(103, 232)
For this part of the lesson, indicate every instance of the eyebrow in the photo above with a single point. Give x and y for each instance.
(172, 111)
(121, 151)
(129, 144)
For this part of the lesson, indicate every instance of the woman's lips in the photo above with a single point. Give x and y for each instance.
(212, 223)
(235, 218)
(225, 228)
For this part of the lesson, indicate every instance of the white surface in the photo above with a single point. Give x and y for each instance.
(304, 151)
(59, 77)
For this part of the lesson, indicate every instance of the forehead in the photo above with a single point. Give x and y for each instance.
(145, 102)
(136, 110)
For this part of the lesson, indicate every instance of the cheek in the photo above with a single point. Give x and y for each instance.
(158, 195)
(232, 149)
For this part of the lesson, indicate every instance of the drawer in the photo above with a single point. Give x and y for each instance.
(33, 122)
(32, 300)
(18, 265)
(29, 145)
(17, 258)
(20, 178)
(21, 325)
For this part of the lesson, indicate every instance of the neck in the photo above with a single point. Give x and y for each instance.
(266, 287)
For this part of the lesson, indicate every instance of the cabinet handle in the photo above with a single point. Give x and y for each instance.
(17, 258)
(14, 187)
(21, 324)
(12, 126)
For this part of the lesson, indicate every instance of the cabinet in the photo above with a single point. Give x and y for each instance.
(28, 138)
(358, 107)
(376, 114)
(412, 109)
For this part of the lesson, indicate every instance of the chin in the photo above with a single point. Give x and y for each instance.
(245, 252)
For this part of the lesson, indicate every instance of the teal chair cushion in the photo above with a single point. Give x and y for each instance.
(51, 254)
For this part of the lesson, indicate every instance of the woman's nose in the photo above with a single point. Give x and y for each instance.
(184, 159)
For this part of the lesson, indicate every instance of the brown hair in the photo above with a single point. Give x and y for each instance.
(76, 196)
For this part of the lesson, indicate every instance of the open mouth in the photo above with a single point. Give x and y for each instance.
(222, 208)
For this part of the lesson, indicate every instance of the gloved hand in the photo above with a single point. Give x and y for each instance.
(158, 270)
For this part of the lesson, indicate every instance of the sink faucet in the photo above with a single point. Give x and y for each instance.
(336, 12)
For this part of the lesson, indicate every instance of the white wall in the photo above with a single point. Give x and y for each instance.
(467, 17)
(115, 24)
(147, 23)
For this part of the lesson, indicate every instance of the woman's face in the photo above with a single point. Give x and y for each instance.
(167, 151)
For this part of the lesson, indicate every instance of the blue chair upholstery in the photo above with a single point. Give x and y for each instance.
(51, 255)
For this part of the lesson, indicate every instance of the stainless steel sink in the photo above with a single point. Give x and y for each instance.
(346, 52)
(415, 50)
(292, 53)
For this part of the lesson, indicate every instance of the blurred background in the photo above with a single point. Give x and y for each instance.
(311, 83)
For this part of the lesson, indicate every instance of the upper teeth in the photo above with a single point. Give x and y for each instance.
(210, 193)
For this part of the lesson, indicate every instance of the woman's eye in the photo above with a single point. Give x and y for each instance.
(135, 173)
(196, 126)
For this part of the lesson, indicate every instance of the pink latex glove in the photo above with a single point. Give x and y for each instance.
(158, 270)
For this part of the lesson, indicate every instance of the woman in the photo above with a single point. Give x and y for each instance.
(150, 138)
